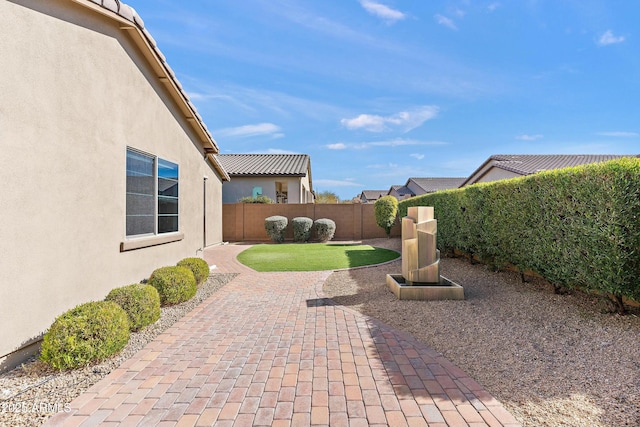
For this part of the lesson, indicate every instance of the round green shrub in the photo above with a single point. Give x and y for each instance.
(141, 302)
(198, 267)
(324, 229)
(301, 229)
(386, 210)
(90, 332)
(174, 284)
(276, 226)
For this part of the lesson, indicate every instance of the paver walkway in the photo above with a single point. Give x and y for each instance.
(269, 350)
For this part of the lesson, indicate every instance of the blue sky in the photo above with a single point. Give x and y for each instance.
(380, 91)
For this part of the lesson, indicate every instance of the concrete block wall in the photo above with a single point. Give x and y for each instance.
(245, 222)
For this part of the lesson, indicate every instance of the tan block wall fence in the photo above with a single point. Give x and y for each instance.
(245, 222)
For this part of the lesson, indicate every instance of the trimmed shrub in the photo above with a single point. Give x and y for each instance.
(174, 284)
(386, 210)
(198, 267)
(88, 333)
(324, 229)
(140, 302)
(276, 226)
(302, 229)
(258, 199)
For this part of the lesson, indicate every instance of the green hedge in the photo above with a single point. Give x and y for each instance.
(576, 227)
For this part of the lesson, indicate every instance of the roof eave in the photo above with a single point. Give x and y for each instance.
(249, 175)
(143, 40)
(218, 167)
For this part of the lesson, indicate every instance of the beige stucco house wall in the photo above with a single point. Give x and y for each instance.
(80, 84)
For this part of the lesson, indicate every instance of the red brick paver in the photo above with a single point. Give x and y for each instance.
(270, 349)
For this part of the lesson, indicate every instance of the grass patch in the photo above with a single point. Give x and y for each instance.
(313, 256)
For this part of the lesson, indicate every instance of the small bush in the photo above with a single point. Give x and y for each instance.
(276, 226)
(90, 332)
(324, 229)
(140, 302)
(302, 229)
(258, 199)
(174, 284)
(386, 210)
(198, 267)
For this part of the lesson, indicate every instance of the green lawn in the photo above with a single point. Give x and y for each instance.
(313, 256)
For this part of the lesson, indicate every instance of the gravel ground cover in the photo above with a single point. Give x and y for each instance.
(552, 360)
(33, 392)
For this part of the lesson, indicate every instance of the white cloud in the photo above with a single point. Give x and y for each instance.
(417, 156)
(367, 121)
(493, 6)
(247, 131)
(529, 137)
(608, 38)
(337, 146)
(382, 11)
(447, 22)
(620, 134)
(397, 142)
(335, 183)
(404, 120)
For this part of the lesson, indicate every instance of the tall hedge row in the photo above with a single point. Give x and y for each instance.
(577, 227)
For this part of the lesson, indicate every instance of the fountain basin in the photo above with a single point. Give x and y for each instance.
(444, 290)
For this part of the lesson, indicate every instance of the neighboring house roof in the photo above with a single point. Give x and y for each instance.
(401, 190)
(431, 185)
(373, 194)
(266, 164)
(527, 164)
(131, 23)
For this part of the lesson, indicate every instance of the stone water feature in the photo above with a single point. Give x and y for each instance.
(421, 279)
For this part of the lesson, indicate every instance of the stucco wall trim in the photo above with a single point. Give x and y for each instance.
(145, 242)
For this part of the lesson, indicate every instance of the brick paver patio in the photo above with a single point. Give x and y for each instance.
(269, 350)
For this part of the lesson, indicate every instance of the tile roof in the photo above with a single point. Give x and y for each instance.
(431, 185)
(527, 164)
(374, 194)
(402, 190)
(265, 164)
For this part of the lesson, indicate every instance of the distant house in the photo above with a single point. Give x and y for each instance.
(400, 192)
(109, 172)
(370, 196)
(504, 166)
(284, 178)
(419, 186)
